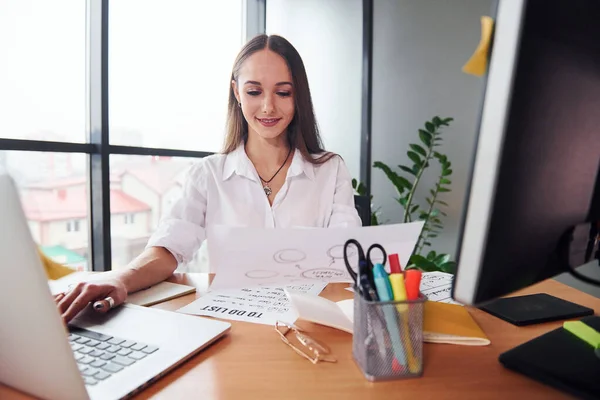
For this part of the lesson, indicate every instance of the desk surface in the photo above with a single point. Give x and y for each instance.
(251, 361)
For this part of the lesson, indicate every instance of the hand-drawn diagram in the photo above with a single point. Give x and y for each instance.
(335, 270)
(289, 256)
(261, 274)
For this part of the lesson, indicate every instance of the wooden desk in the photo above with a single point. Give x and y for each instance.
(252, 362)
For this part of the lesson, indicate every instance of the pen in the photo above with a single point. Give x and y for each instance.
(384, 291)
(399, 292)
(395, 267)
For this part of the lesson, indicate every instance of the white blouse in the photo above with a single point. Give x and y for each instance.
(226, 190)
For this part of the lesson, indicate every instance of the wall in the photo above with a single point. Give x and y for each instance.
(55, 233)
(138, 190)
(137, 229)
(328, 36)
(418, 51)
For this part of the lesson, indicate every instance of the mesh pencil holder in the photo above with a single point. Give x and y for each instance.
(387, 342)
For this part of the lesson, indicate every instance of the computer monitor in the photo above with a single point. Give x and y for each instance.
(533, 204)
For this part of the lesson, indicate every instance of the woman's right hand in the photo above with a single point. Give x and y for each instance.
(75, 300)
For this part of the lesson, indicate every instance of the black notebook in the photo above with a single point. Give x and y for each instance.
(559, 359)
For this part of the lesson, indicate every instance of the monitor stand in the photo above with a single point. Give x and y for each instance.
(578, 246)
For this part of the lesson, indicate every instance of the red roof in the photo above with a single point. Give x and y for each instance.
(56, 205)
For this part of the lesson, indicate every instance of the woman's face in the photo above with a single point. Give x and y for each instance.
(264, 87)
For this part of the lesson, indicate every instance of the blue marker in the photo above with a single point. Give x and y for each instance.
(384, 291)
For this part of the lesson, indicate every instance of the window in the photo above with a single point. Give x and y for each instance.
(164, 74)
(54, 200)
(42, 72)
(170, 65)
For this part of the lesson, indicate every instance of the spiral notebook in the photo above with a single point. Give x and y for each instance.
(442, 323)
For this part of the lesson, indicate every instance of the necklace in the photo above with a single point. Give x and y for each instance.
(266, 186)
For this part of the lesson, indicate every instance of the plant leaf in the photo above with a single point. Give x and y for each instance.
(437, 121)
(446, 172)
(353, 183)
(442, 259)
(442, 203)
(406, 169)
(449, 267)
(445, 181)
(431, 255)
(391, 175)
(423, 264)
(425, 137)
(414, 157)
(444, 190)
(419, 149)
(430, 128)
(414, 208)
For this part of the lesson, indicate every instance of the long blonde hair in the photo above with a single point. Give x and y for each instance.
(302, 132)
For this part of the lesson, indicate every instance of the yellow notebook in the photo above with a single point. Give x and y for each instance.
(451, 323)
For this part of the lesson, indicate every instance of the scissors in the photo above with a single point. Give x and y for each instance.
(363, 279)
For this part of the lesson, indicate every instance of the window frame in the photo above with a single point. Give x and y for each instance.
(98, 146)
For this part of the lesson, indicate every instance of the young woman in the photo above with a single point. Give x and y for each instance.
(272, 173)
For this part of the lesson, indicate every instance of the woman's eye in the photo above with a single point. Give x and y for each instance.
(253, 92)
(284, 94)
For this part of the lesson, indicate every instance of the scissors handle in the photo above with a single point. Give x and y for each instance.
(380, 248)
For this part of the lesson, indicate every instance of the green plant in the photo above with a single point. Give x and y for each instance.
(422, 155)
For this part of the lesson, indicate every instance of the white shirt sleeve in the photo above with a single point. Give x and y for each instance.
(343, 213)
(182, 230)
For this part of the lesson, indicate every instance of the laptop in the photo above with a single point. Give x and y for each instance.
(98, 356)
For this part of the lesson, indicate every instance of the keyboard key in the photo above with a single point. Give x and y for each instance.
(137, 355)
(125, 361)
(90, 372)
(72, 337)
(101, 375)
(78, 356)
(113, 349)
(92, 343)
(89, 381)
(127, 343)
(107, 356)
(90, 334)
(103, 346)
(82, 367)
(138, 346)
(150, 349)
(112, 368)
(76, 346)
(82, 340)
(124, 352)
(98, 363)
(116, 341)
(96, 353)
(85, 350)
(85, 360)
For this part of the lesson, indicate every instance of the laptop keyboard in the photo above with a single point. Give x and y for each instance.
(100, 356)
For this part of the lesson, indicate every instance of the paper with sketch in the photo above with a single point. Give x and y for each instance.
(250, 257)
(262, 305)
(437, 286)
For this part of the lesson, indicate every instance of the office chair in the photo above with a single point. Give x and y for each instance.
(363, 206)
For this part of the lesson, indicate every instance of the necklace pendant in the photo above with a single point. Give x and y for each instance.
(267, 190)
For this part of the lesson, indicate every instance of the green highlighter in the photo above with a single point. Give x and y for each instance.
(585, 333)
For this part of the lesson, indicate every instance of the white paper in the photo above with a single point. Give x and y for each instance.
(251, 257)
(261, 305)
(322, 311)
(437, 286)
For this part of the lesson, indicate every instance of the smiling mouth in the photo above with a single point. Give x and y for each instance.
(268, 121)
